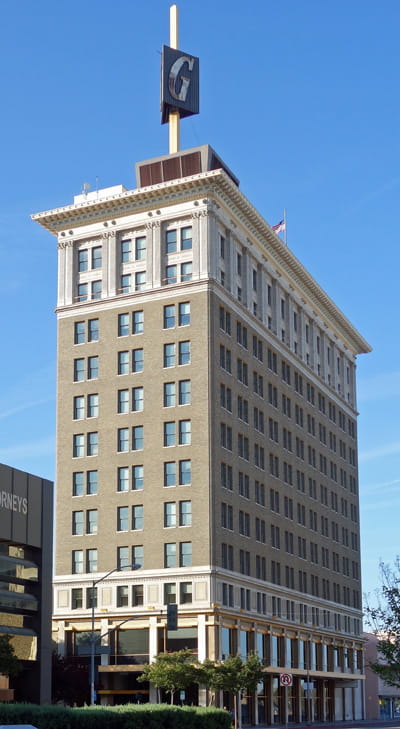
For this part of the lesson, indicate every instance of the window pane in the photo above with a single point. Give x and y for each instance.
(123, 401)
(79, 370)
(186, 239)
(170, 514)
(123, 363)
(169, 593)
(184, 353)
(92, 444)
(140, 280)
(170, 473)
(185, 513)
(184, 313)
(125, 283)
(78, 448)
(140, 248)
(137, 437)
(122, 557)
(123, 325)
(82, 291)
(79, 407)
(93, 330)
(137, 360)
(186, 271)
(170, 277)
(91, 482)
(77, 483)
(123, 478)
(77, 561)
(137, 595)
(122, 595)
(137, 517)
(77, 522)
(185, 432)
(169, 316)
(91, 560)
(137, 322)
(122, 519)
(169, 434)
(185, 473)
(93, 368)
(79, 332)
(169, 394)
(185, 592)
(96, 289)
(185, 554)
(123, 440)
(91, 521)
(137, 398)
(83, 260)
(138, 554)
(126, 250)
(93, 405)
(170, 241)
(137, 478)
(169, 355)
(184, 392)
(170, 555)
(96, 257)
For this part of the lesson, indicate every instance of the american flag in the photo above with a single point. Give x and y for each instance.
(279, 227)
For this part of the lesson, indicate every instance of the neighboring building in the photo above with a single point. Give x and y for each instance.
(26, 544)
(381, 701)
(206, 430)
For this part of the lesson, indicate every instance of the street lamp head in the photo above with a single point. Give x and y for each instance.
(133, 567)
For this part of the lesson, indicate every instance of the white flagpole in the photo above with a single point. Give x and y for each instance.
(284, 223)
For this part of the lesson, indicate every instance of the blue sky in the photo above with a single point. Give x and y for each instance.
(299, 98)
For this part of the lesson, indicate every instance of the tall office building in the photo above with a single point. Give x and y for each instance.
(207, 431)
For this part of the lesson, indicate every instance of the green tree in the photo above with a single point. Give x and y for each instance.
(233, 675)
(9, 663)
(172, 671)
(384, 618)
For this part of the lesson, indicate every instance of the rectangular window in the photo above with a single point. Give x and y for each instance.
(79, 369)
(83, 260)
(137, 437)
(126, 251)
(184, 392)
(185, 432)
(185, 473)
(170, 555)
(123, 478)
(169, 434)
(123, 325)
(138, 554)
(77, 483)
(140, 248)
(169, 316)
(184, 313)
(185, 513)
(184, 353)
(126, 283)
(77, 522)
(96, 289)
(79, 407)
(137, 360)
(137, 398)
(123, 440)
(170, 241)
(79, 332)
(96, 257)
(186, 239)
(82, 291)
(137, 517)
(123, 363)
(137, 478)
(170, 275)
(92, 444)
(91, 483)
(77, 561)
(76, 598)
(93, 405)
(185, 554)
(170, 514)
(170, 473)
(140, 280)
(78, 447)
(122, 519)
(93, 330)
(122, 596)
(137, 595)
(91, 560)
(169, 593)
(93, 368)
(123, 401)
(169, 394)
(169, 355)
(91, 521)
(185, 593)
(186, 271)
(137, 322)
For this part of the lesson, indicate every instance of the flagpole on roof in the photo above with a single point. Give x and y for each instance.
(285, 227)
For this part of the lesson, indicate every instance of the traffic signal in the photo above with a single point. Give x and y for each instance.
(172, 617)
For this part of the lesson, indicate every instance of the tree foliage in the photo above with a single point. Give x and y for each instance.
(9, 663)
(233, 675)
(384, 618)
(172, 671)
(70, 681)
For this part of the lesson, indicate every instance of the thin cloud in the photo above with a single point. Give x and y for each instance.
(371, 488)
(378, 192)
(24, 406)
(389, 449)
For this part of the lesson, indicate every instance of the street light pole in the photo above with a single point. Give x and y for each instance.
(92, 633)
